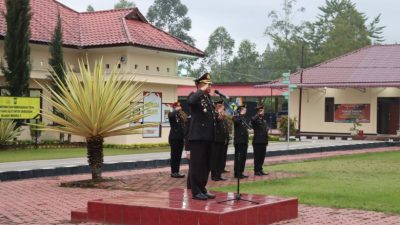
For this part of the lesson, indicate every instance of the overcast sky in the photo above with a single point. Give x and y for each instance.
(248, 19)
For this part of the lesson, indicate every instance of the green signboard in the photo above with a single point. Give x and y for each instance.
(19, 107)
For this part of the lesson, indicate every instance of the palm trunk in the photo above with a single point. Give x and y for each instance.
(95, 155)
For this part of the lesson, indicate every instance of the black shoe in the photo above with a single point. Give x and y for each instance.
(209, 195)
(258, 174)
(200, 196)
(243, 176)
(264, 173)
(215, 178)
(222, 179)
(177, 175)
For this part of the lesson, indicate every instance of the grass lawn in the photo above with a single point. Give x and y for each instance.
(368, 181)
(42, 154)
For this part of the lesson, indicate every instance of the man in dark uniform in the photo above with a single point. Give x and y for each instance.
(260, 140)
(220, 142)
(201, 137)
(241, 141)
(187, 151)
(226, 145)
(176, 138)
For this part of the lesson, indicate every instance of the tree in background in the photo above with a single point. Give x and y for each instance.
(123, 4)
(171, 16)
(56, 62)
(89, 8)
(245, 66)
(341, 28)
(287, 39)
(219, 51)
(16, 47)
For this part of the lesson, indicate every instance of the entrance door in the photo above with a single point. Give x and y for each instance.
(388, 115)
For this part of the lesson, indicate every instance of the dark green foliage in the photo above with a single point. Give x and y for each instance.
(56, 60)
(171, 16)
(16, 47)
(90, 8)
(123, 4)
(340, 29)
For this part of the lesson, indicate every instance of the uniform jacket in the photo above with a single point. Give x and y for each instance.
(186, 133)
(203, 118)
(177, 126)
(260, 130)
(221, 132)
(241, 135)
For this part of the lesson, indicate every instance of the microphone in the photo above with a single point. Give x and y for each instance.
(220, 94)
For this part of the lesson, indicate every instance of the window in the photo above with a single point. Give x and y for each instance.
(147, 67)
(107, 66)
(158, 69)
(136, 66)
(329, 109)
(119, 66)
(167, 70)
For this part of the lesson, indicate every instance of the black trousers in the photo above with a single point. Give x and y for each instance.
(240, 158)
(188, 186)
(223, 162)
(217, 155)
(176, 154)
(259, 156)
(200, 155)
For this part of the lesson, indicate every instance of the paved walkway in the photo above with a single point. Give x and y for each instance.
(42, 201)
(48, 164)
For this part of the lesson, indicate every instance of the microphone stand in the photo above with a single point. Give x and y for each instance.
(238, 195)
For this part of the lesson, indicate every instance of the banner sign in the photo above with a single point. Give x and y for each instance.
(349, 113)
(19, 107)
(154, 102)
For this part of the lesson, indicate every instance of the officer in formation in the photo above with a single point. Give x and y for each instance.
(240, 141)
(177, 119)
(201, 136)
(220, 143)
(260, 140)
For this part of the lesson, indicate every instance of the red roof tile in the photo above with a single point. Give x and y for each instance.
(99, 28)
(372, 66)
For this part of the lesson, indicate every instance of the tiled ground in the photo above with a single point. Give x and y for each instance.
(42, 201)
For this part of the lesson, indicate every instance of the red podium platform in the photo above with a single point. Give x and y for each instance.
(176, 207)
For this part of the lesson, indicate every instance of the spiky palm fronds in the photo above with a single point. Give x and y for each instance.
(8, 131)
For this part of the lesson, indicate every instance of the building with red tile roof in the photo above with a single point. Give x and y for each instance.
(124, 39)
(361, 86)
(121, 27)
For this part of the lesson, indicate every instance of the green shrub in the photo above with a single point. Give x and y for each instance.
(8, 131)
(283, 126)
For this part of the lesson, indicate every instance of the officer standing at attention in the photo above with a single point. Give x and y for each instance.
(225, 150)
(177, 119)
(201, 137)
(241, 141)
(260, 140)
(217, 155)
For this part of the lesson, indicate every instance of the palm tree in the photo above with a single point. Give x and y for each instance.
(95, 106)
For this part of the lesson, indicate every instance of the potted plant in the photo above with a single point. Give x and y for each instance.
(354, 129)
(283, 126)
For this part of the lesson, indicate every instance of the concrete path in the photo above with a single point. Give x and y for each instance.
(49, 164)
